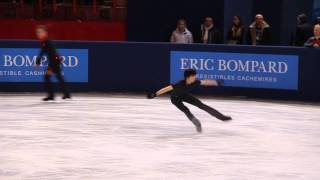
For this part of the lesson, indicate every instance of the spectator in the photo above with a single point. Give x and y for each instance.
(315, 40)
(210, 34)
(318, 20)
(181, 34)
(236, 33)
(304, 30)
(259, 32)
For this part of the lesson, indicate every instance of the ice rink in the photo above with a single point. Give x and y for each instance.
(103, 137)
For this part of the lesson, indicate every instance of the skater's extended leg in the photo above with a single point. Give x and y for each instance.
(48, 86)
(178, 103)
(196, 102)
(66, 94)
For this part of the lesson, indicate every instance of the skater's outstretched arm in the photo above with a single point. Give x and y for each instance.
(164, 90)
(46, 48)
(39, 57)
(38, 60)
(160, 92)
(208, 82)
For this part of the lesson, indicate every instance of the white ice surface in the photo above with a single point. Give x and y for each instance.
(105, 137)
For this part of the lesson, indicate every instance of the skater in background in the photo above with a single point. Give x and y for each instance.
(54, 64)
(181, 93)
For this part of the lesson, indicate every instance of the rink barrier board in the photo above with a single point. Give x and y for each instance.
(246, 70)
(17, 65)
(140, 67)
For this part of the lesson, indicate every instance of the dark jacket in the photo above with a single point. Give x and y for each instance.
(303, 33)
(214, 36)
(236, 35)
(265, 38)
(49, 50)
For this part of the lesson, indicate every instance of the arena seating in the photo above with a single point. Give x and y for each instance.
(69, 21)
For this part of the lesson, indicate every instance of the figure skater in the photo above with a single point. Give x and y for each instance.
(181, 93)
(54, 64)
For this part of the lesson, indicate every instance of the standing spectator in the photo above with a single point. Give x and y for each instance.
(304, 30)
(236, 33)
(209, 33)
(259, 32)
(181, 34)
(315, 40)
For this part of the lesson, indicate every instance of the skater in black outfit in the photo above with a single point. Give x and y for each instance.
(181, 93)
(54, 64)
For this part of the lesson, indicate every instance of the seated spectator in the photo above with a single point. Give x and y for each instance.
(236, 33)
(304, 30)
(209, 33)
(315, 40)
(181, 34)
(259, 32)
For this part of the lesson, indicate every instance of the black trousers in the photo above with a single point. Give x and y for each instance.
(56, 70)
(178, 102)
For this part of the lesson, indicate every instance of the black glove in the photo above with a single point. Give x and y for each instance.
(220, 82)
(151, 95)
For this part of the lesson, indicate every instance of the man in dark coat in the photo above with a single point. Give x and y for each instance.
(304, 30)
(209, 33)
(259, 32)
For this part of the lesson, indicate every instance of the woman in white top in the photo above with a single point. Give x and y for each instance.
(181, 34)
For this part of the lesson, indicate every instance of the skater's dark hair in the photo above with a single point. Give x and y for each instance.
(189, 72)
(42, 27)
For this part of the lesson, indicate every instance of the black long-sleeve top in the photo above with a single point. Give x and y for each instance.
(181, 88)
(48, 49)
